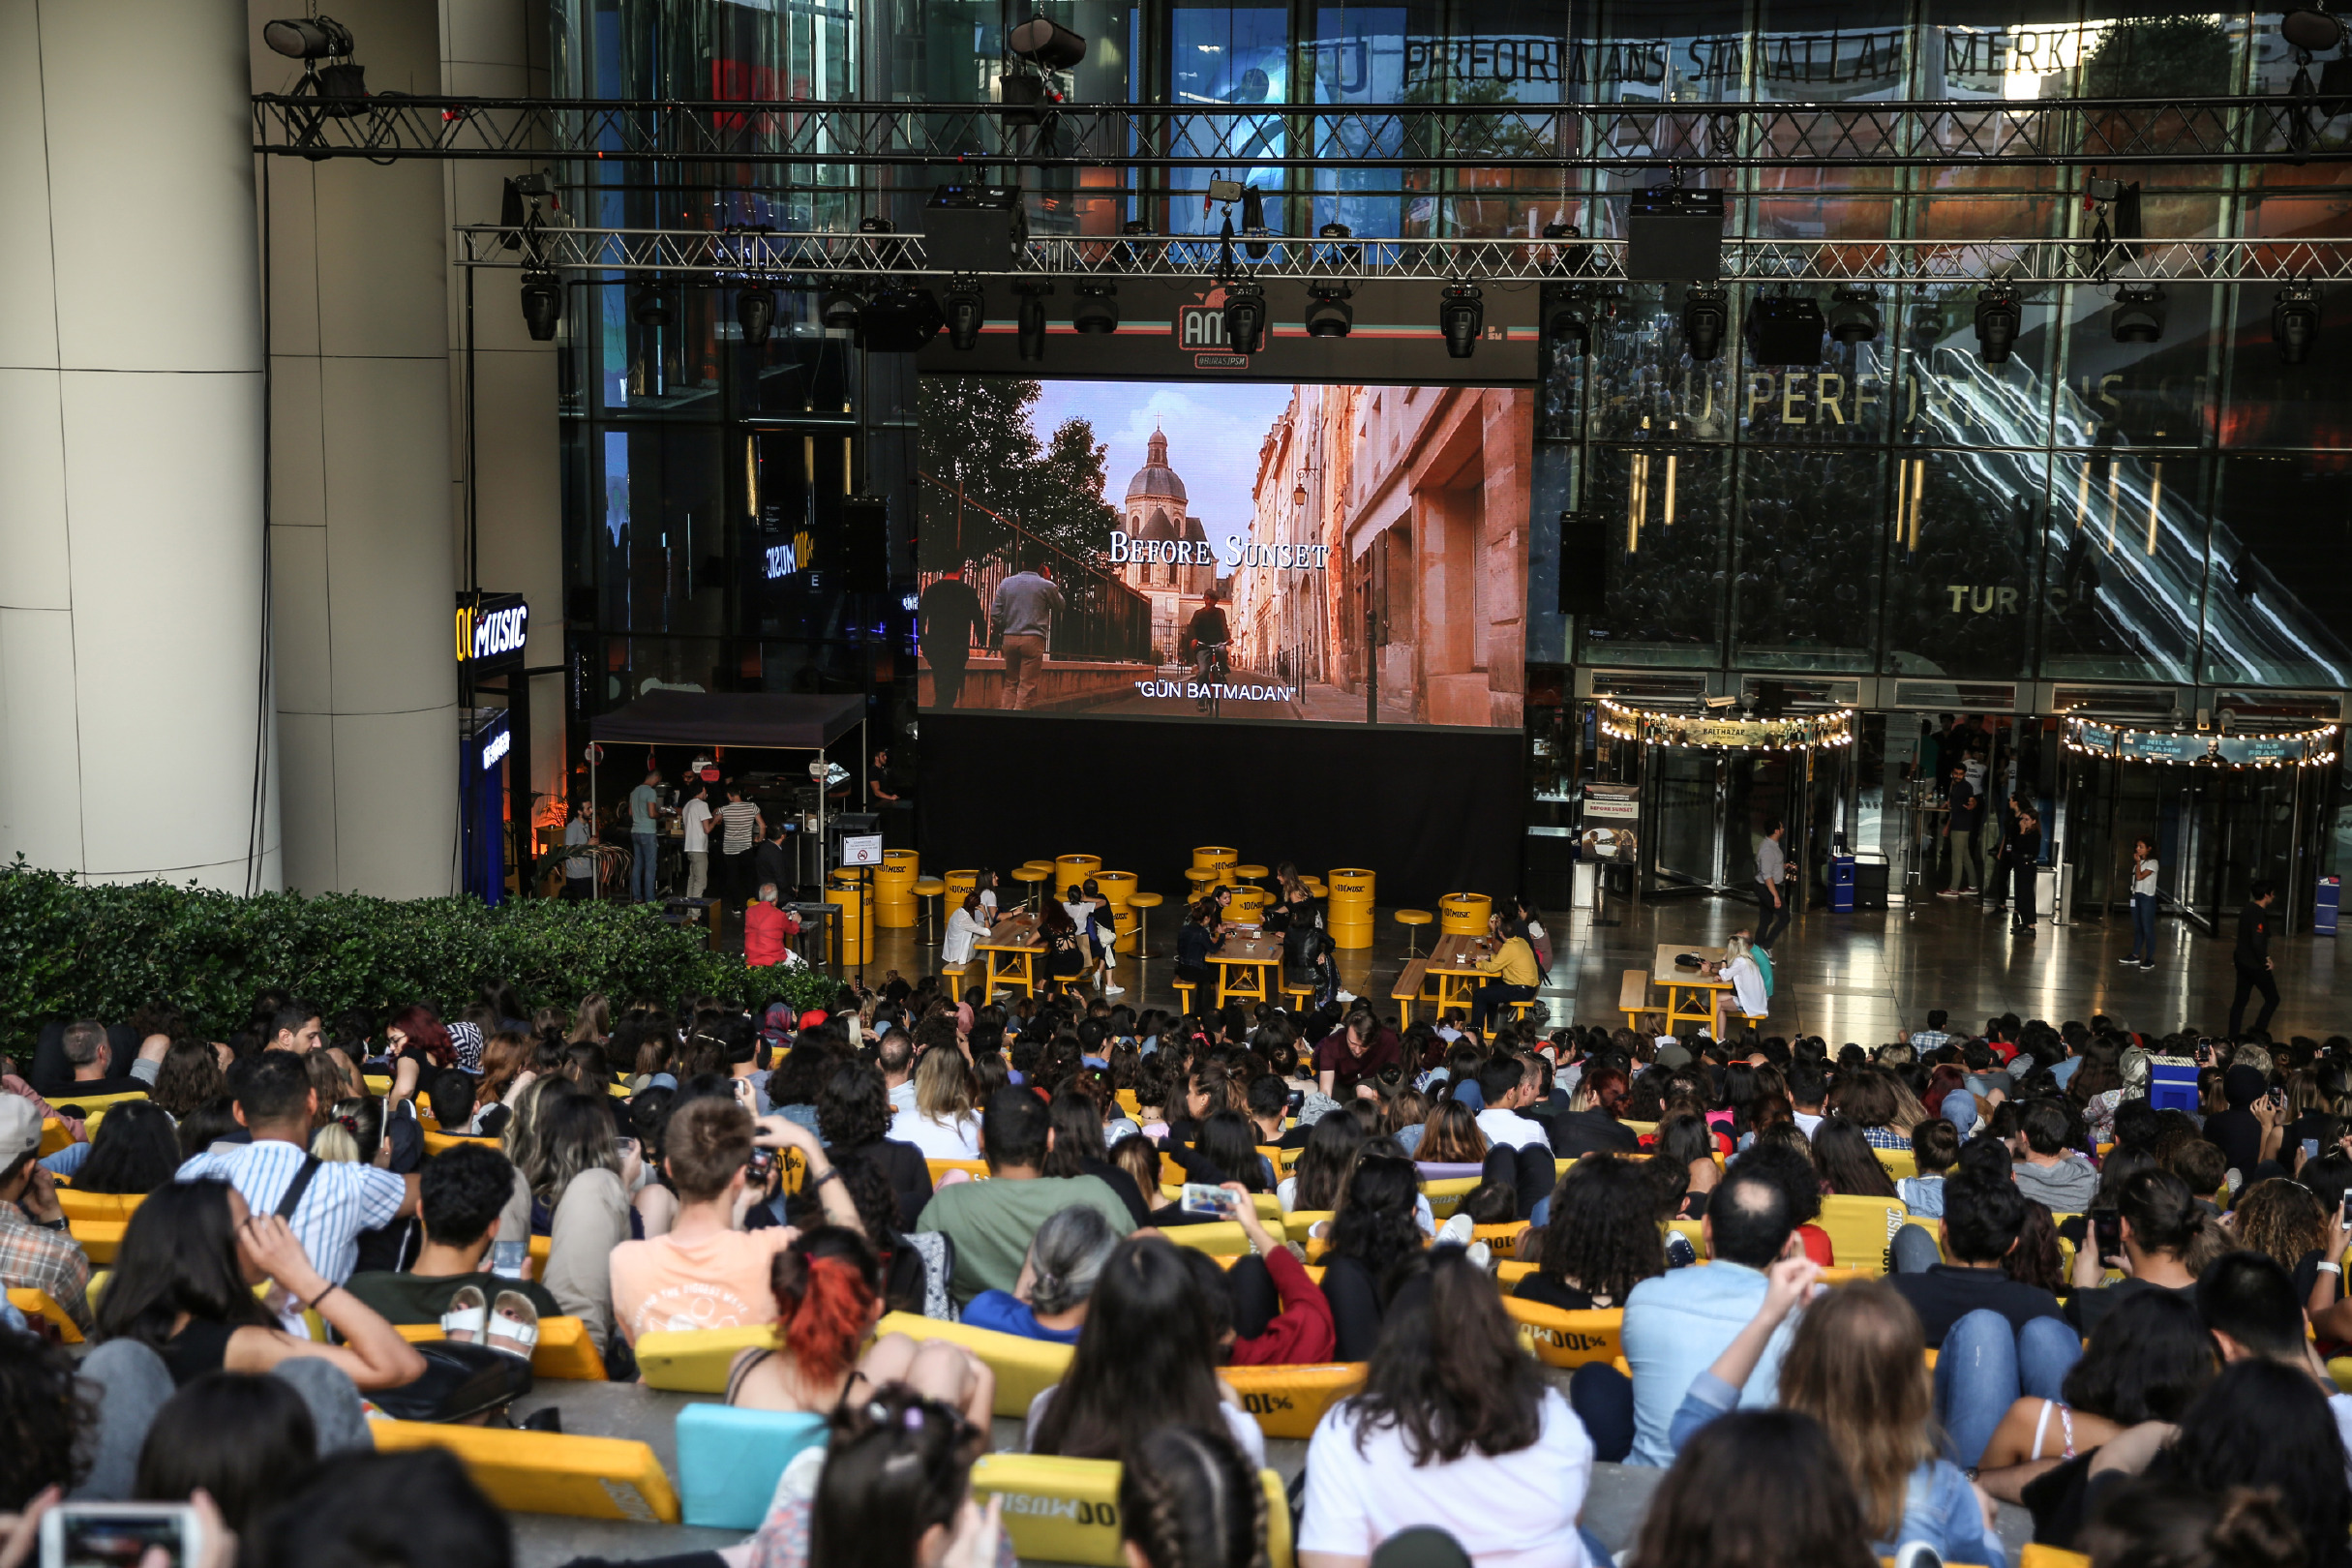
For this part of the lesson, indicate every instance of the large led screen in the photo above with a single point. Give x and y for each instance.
(1305, 554)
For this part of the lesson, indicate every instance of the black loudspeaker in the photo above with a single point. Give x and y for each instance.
(974, 228)
(865, 554)
(1784, 329)
(1674, 234)
(1584, 564)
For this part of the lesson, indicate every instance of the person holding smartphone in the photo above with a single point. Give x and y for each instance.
(2143, 905)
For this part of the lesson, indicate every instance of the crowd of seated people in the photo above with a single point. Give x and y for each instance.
(2114, 1319)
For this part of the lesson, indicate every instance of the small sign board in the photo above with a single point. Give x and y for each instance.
(862, 849)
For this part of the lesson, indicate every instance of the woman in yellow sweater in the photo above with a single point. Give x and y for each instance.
(1512, 963)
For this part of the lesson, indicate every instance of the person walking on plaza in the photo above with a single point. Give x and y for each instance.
(645, 823)
(2252, 958)
(1023, 614)
(1771, 870)
(950, 613)
(2143, 904)
(1960, 826)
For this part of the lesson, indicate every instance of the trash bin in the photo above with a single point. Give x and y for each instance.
(2323, 910)
(2054, 893)
(1841, 884)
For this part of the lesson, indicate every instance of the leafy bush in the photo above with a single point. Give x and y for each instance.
(70, 950)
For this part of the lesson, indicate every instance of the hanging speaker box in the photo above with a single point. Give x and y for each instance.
(1674, 234)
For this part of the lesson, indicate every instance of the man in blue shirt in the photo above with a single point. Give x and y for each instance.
(1677, 1323)
(645, 812)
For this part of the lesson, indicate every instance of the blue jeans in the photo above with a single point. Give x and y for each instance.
(1916, 1250)
(2143, 927)
(645, 854)
(1984, 1367)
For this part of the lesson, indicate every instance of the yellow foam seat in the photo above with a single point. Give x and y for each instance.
(92, 1104)
(974, 1169)
(1129, 1103)
(1067, 1510)
(1298, 1222)
(1560, 1338)
(54, 1137)
(1024, 1367)
(564, 1349)
(1503, 1238)
(1641, 1130)
(80, 1205)
(1282, 1158)
(2036, 1555)
(696, 1361)
(99, 1239)
(36, 1304)
(540, 1247)
(548, 1472)
(378, 1083)
(1445, 1195)
(1286, 1401)
(1219, 1236)
(1900, 1163)
(1509, 1272)
(438, 1142)
(1861, 1232)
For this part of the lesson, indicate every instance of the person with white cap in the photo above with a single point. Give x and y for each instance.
(37, 1251)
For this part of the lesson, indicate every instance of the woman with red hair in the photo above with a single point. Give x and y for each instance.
(1595, 1122)
(828, 1286)
(418, 1043)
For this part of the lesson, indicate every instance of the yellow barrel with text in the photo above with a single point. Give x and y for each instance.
(1217, 858)
(1117, 888)
(1247, 906)
(850, 901)
(1069, 870)
(894, 890)
(1347, 913)
(1464, 914)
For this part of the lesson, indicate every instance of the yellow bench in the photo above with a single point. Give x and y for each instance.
(1024, 1367)
(54, 1137)
(564, 1349)
(697, 1361)
(1286, 1401)
(80, 1205)
(438, 1142)
(36, 1304)
(1067, 1510)
(2037, 1556)
(548, 1472)
(1219, 1237)
(1900, 1163)
(974, 1169)
(1560, 1338)
(92, 1104)
(1633, 995)
(1445, 1195)
(1861, 1232)
(99, 1239)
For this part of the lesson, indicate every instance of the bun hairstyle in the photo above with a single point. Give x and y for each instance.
(895, 1465)
(2159, 1523)
(2165, 1215)
(1190, 1499)
(1066, 1257)
(827, 1283)
(355, 1130)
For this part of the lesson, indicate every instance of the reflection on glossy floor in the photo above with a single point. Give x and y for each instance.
(1862, 977)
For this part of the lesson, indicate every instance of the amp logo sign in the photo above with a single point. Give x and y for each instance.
(1200, 331)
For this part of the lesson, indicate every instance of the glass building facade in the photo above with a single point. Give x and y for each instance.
(1902, 526)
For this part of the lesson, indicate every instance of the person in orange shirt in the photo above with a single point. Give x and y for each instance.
(765, 928)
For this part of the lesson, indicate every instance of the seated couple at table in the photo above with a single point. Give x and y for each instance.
(1744, 995)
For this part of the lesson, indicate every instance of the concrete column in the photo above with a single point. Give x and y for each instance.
(359, 516)
(497, 49)
(130, 468)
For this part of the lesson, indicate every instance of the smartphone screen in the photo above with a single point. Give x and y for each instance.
(763, 1165)
(117, 1536)
(1200, 1197)
(1298, 1097)
(2108, 1230)
(2343, 1215)
(2310, 1148)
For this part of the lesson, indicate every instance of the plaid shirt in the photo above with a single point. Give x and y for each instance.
(1924, 1041)
(34, 1257)
(1886, 1138)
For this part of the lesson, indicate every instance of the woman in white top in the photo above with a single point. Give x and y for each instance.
(1505, 1473)
(1747, 993)
(965, 926)
(941, 1122)
(2143, 904)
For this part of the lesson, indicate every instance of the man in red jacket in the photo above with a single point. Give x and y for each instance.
(765, 928)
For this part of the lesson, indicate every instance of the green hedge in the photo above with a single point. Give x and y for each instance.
(102, 951)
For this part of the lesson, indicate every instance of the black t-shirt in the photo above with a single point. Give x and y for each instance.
(1577, 1133)
(1945, 1293)
(2088, 1308)
(64, 1094)
(950, 613)
(1968, 807)
(2238, 1135)
(1545, 1291)
(908, 1173)
(1208, 626)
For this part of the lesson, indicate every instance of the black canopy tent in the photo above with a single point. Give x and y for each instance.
(750, 719)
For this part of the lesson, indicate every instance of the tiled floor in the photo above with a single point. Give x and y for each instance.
(1861, 977)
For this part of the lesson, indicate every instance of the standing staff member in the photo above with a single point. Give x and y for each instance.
(1771, 869)
(2143, 904)
(2024, 848)
(695, 817)
(644, 823)
(1960, 834)
(2252, 957)
(743, 827)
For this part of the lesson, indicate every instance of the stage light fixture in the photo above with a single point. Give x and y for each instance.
(1346, 255)
(1096, 310)
(2295, 322)
(1030, 322)
(1854, 315)
(900, 322)
(542, 305)
(1707, 319)
(966, 314)
(1574, 261)
(2137, 314)
(650, 307)
(308, 37)
(1328, 312)
(755, 312)
(837, 313)
(1569, 329)
(2307, 27)
(1245, 317)
(1046, 44)
(1462, 315)
(1999, 319)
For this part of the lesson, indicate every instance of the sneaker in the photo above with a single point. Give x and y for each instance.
(1343, 996)
(2146, 965)
(1481, 1257)
(2129, 963)
(1949, 892)
(1456, 1232)
(1113, 990)
(1917, 1554)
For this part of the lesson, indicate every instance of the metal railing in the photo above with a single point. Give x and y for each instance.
(1101, 618)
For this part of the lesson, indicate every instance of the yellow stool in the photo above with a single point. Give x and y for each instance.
(1200, 882)
(1142, 903)
(1412, 920)
(1184, 996)
(1248, 873)
(927, 888)
(1314, 885)
(1032, 873)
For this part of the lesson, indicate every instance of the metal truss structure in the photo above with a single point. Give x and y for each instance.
(735, 254)
(941, 138)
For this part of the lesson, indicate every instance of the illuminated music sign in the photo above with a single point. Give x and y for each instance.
(491, 631)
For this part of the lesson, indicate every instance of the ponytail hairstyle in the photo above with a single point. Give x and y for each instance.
(1189, 1499)
(2164, 1215)
(895, 1465)
(826, 1284)
(1066, 1257)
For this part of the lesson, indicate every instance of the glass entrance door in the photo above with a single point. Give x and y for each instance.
(1683, 813)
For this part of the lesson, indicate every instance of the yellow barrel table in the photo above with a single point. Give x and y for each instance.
(894, 890)
(960, 882)
(1347, 913)
(1213, 858)
(850, 898)
(1139, 903)
(1247, 906)
(1028, 875)
(1464, 914)
(1118, 888)
(1069, 870)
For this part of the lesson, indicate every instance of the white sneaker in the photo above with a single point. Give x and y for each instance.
(1458, 1231)
(1949, 892)
(1114, 990)
(1343, 997)
(1917, 1554)
(1481, 1257)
